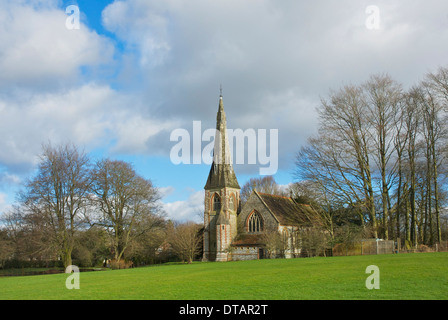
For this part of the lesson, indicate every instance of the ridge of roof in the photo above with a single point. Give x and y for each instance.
(274, 195)
(285, 210)
(273, 214)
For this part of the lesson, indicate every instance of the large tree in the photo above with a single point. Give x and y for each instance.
(124, 200)
(339, 158)
(434, 114)
(382, 152)
(383, 100)
(58, 195)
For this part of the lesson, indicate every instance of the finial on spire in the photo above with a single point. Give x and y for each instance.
(220, 90)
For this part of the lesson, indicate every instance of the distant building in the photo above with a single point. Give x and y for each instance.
(267, 225)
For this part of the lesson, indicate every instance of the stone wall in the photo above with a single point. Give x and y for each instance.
(244, 253)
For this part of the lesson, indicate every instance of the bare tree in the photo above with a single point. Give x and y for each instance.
(30, 234)
(412, 123)
(58, 194)
(125, 201)
(185, 240)
(6, 247)
(322, 211)
(266, 184)
(383, 97)
(438, 82)
(435, 133)
(338, 159)
(314, 241)
(150, 234)
(273, 241)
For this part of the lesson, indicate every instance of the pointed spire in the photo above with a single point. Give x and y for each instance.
(221, 173)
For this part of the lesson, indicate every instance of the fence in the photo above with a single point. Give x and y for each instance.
(364, 247)
(373, 246)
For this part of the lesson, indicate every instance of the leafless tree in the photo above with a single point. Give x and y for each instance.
(185, 239)
(273, 241)
(338, 158)
(266, 184)
(382, 152)
(435, 102)
(58, 194)
(125, 200)
(383, 97)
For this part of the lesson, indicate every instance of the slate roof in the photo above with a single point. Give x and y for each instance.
(287, 211)
(247, 240)
(222, 220)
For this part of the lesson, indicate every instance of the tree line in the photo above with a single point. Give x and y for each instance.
(93, 211)
(379, 159)
(377, 168)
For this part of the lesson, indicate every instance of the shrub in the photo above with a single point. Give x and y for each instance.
(121, 264)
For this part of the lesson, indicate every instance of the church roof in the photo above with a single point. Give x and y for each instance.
(247, 240)
(286, 210)
(222, 219)
(221, 172)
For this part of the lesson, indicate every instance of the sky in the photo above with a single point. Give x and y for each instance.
(118, 83)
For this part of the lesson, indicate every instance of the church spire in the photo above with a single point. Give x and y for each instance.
(221, 173)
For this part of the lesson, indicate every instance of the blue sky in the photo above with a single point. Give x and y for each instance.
(136, 70)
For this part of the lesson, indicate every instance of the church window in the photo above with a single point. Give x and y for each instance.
(255, 223)
(216, 203)
(232, 203)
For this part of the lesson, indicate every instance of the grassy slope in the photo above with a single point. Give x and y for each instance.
(405, 276)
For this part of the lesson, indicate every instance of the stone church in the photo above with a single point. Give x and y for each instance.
(265, 226)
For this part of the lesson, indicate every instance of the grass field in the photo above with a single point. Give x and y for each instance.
(402, 276)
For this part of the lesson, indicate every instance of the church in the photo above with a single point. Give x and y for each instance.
(265, 226)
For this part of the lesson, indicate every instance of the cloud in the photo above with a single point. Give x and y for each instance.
(166, 191)
(275, 59)
(191, 209)
(43, 92)
(140, 24)
(39, 52)
(91, 115)
(7, 179)
(4, 204)
(52, 88)
(161, 64)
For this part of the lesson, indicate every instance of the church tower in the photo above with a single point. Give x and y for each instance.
(222, 196)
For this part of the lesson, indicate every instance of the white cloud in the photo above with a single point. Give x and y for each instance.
(165, 191)
(43, 95)
(8, 179)
(141, 24)
(191, 209)
(4, 204)
(90, 115)
(274, 58)
(38, 50)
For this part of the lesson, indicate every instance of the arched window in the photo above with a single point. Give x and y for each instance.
(255, 223)
(232, 203)
(216, 203)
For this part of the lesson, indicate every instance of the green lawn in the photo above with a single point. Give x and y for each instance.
(402, 276)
